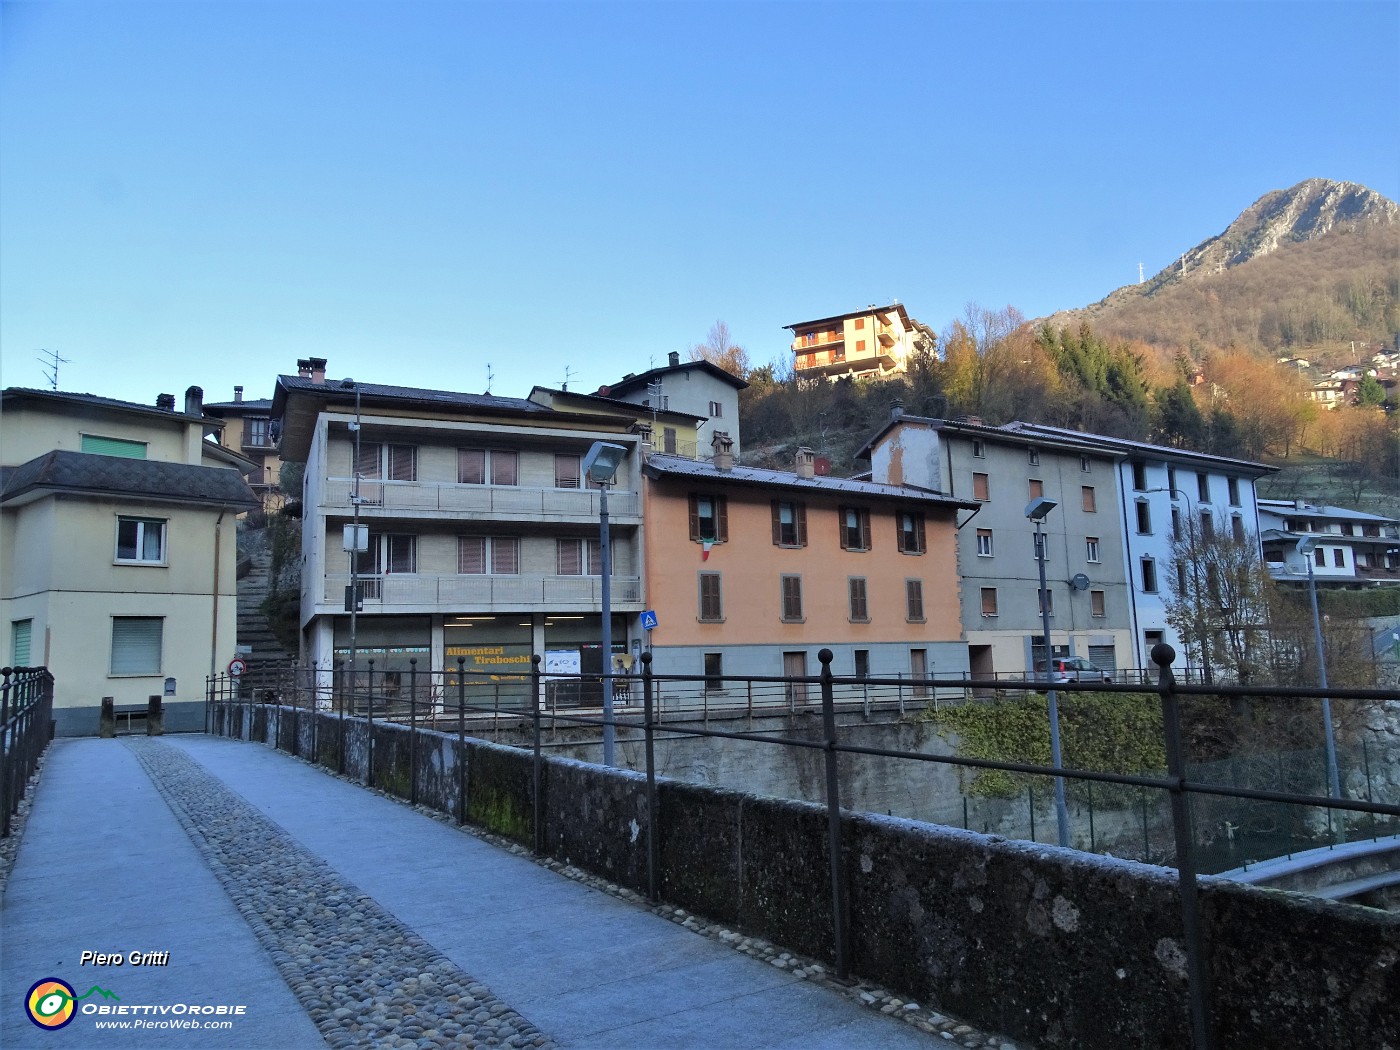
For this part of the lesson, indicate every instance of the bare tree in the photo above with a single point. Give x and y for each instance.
(1220, 591)
(720, 349)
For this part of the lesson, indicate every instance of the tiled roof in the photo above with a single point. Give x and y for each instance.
(134, 478)
(643, 378)
(94, 401)
(332, 388)
(659, 466)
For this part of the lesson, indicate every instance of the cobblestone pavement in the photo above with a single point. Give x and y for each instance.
(364, 978)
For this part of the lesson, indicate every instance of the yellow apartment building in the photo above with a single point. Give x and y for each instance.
(869, 343)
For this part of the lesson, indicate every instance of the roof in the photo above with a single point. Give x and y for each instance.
(336, 390)
(642, 379)
(1291, 509)
(664, 466)
(631, 407)
(262, 404)
(62, 397)
(1072, 440)
(86, 473)
(893, 307)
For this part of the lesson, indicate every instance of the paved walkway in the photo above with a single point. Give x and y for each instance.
(332, 915)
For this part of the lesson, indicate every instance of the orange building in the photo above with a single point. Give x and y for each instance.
(869, 343)
(751, 572)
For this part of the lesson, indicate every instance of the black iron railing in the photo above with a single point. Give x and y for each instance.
(26, 727)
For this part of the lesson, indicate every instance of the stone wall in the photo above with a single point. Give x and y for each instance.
(1053, 947)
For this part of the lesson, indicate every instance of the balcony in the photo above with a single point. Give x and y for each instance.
(395, 592)
(506, 502)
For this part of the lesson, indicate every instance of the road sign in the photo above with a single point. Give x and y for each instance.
(649, 620)
(236, 667)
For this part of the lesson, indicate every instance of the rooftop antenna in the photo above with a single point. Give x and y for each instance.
(654, 397)
(52, 360)
(1139, 273)
(490, 377)
(569, 373)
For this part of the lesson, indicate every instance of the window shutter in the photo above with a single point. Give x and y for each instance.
(864, 530)
(722, 519)
(777, 523)
(568, 557)
(566, 471)
(471, 555)
(505, 468)
(403, 463)
(21, 632)
(901, 535)
(694, 518)
(136, 644)
(403, 553)
(505, 555)
(595, 559)
(919, 533)
(367, 464)
(471, 466)
(105, 446)
(801, 524)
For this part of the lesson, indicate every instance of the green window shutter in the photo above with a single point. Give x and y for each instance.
(20, 631)
(105, 446)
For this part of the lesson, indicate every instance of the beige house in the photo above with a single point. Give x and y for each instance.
(248, 429)
(118, 550)
(870, 343)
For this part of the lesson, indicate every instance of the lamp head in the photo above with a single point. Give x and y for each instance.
(1306, 545)
(1037, 508)
(602, 461)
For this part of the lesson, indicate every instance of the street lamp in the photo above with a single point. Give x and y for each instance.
(1036, 510)
(1306, 546)
(600, 464)
(356, 537)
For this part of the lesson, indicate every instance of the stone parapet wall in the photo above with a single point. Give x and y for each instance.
(1050, 946)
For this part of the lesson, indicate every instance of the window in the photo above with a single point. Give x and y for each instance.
(1033, 456)
(1045, 602)
(984, 543)
(257, 431)
(989, 601)
(860, 346)
(860, 607)
(1319, 559)
(1171, 482)
(1149, 575)
(1207, 524)
(1203, 488)
(480, 555)
(471, 555)
(1237, 527)
(569, 554)
(20, 633)
(709, 519)
(1144, 517)
(475, 465)
(1339, 558)
(1140, 476)
(980, 487)
(1035, 488)
(567, 470)
(855, 528)
(979, 449)
(714, 672)
(1096, 604)
(914, 601)
(716, 410)
(136, 644)
(403, 554)
(1086, 494)
(387, 462)
(860, 324)
(1091, 548)
(1176, 523)
(1084, 464)
(792, 599)
(106, 446)
(668, 440)
(1234, 484)
(862, 658)
(910, 538)
(789, 523)
(141, 540)
(711, 606)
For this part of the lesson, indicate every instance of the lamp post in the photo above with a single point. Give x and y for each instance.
(355, 542)
(1306, 546)
(1036, 510)
(600, 465)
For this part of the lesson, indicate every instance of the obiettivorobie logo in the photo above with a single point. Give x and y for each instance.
(52, 1003)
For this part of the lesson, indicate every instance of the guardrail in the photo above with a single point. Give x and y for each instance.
(26, 727)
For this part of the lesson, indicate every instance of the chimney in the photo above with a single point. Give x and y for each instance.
(318, 369)
(166, 401)
(806, 463)
(723, 450)
(304, 368)
(896, 408)
(194, 401)
(675, 358)
(237, 394)
(648, 446)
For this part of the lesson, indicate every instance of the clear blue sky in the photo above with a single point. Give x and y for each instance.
(201, 193)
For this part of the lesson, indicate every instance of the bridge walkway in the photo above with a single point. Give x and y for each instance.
(333, 915)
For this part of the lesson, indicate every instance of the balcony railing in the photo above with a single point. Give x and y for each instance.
(502, 501)
(473, 593)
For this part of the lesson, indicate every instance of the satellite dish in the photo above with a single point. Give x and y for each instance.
(1079, 582)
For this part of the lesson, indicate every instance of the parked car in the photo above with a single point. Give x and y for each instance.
(1077, 669)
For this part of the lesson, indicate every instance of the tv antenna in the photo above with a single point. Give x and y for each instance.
(569, 373)
(52, 360)
(490, 377)
(654, 397)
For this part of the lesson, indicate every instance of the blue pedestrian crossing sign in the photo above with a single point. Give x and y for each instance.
(649, 620)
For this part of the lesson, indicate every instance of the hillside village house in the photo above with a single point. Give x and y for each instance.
(699, 389)
(877, 341)
(751, 572)
(483, 530)
(118, 550)
(1353, 549)
(1107, 546)
(248, 429)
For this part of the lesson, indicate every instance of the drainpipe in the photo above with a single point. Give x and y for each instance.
(214, 630)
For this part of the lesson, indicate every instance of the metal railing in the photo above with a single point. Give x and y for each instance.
(650, 706)
(26, 727)
(497, 501)
(485, 592)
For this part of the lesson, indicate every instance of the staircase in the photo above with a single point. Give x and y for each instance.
(261, 651)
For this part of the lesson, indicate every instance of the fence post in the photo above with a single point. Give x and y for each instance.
(653, 838)
(538, 761)
(208, 704)
(1163, 655)
(833, 821)
(369, 736)
(340, 723)
(461, 740)
(413, 730)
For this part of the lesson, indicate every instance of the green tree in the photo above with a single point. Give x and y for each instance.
(1369, 392)
(1179, 420)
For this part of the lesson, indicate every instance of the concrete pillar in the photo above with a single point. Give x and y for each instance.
(107, 723)
(155, 716)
